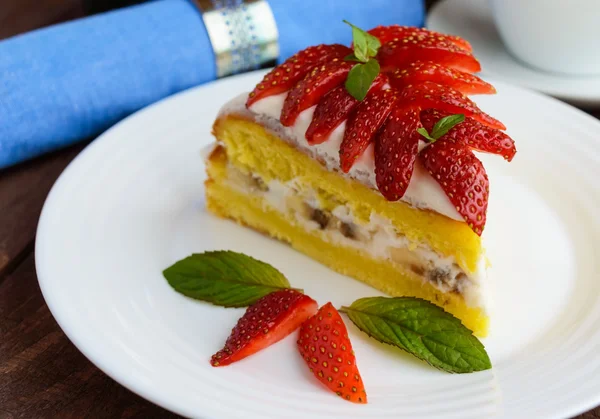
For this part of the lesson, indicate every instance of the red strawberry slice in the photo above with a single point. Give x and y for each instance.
(308, 91)
(362, 125)
(462, 177)
(333, 109)
(432, 95)
(265, 322)
(324, 344)
(397, 32)
(419, 71)
(397, 54)
(284, 76)
(396, 149)
(473, 134)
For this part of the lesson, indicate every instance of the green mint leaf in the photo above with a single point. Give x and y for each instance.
(446, 124)
(352, 57)
(425, 134)
(422, 329)
(373, 44)
(365, 44)
(224, 278)
(360, 77)
(359, 41)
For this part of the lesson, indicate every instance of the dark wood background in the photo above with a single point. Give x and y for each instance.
(42, 375)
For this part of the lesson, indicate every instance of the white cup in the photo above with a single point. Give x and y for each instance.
(561, 36)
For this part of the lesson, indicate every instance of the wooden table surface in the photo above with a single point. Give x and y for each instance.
(42, 375)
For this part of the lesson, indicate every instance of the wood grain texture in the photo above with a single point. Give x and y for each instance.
(23, 190)
(18, 16)
(42, 375)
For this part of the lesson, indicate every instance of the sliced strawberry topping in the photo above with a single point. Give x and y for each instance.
(308, 91)
(432, 95)
(397, 54)
(473, 134)
(334, 109)
(462, 177)
(287, 74)
(324, 344)
(418, 72)
(331, 111)
(424, 76)
(397, 33)
(267, 321)
(396, 148)
(362, 125)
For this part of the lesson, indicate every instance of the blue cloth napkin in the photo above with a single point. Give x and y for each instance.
(70, 81)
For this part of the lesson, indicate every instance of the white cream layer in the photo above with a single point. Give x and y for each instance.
(423, 191)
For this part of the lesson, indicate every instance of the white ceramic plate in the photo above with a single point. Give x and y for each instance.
(132, 203)
(472, 19)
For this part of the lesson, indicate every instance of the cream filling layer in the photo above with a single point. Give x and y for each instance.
(378, 238)
(423, 191)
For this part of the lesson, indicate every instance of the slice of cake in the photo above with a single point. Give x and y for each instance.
(363, 159)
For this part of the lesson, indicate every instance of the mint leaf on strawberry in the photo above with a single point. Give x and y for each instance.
(422, 329)
(442, 127)
(365, 44)
(224, 278)
(361, 77)
(363, 73)
(474, 134)
(425, 134)
(446, 124)
(352, 57)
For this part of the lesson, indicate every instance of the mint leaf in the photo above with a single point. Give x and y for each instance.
(446, 124)
(441, 127)
(373, 44)
(365, 44)
(224, 278)
(360, 77)
(359, 40)
(352, 57)
(425, 134)
(422, 329)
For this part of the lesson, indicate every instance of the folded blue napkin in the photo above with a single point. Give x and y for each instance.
(68, 82)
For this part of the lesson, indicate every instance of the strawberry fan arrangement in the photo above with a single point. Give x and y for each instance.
(395, 86)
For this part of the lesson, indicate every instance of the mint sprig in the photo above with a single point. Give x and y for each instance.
(422, 329)
(441, 127)
(361, 77)
(363, 73)
(365, 44)
(224, 278)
